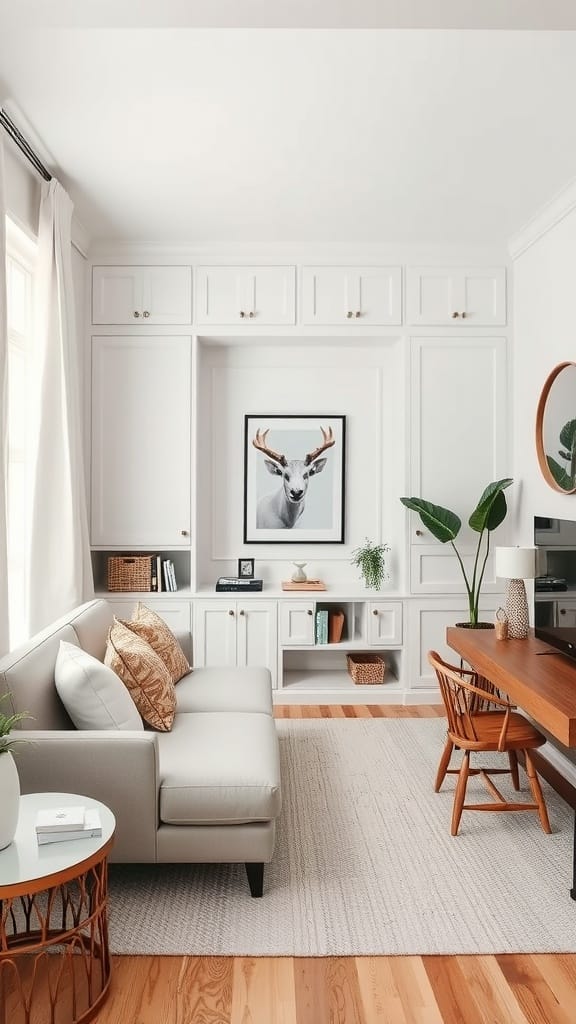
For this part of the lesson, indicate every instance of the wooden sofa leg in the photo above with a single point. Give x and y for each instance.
(255, 873)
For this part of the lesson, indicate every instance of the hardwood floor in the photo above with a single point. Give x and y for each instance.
(511, 989)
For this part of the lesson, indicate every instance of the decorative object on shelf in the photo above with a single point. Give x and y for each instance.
(282, 503)
(9, 781)
(299, 576)
(372, 564)
(501, 625)
(445, 526)
(228, 584)
(366, 669)
(556, 428)
(307, 585)
(246, 568)
(516, 565)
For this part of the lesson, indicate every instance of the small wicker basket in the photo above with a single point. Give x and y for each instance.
(366, 669)
(129, 572)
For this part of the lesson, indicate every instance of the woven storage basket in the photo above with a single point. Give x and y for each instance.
(366, 669)
(129, 572)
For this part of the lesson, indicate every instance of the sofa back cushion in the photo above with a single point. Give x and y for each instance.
(145, 675)
(93, 695)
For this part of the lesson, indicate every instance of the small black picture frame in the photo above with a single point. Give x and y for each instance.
(246, 568)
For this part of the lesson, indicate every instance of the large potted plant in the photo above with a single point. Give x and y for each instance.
(445, 526)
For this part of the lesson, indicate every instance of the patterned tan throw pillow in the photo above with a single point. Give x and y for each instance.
(156, 632)
(144, 673)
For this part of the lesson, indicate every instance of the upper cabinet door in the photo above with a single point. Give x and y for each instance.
(141, 453)
(246, 295)
(141, 295)
(363, 296)
(460, 296)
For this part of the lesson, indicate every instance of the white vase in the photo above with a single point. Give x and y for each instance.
(9, 799)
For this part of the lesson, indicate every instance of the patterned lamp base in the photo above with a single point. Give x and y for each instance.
(517, 610)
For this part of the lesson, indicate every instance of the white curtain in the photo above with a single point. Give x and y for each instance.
(59, 570)
(4, 633)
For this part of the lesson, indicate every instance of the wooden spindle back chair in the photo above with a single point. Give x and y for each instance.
(472, 726)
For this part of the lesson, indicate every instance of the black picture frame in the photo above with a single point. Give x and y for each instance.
(246, 568)
(272, 515)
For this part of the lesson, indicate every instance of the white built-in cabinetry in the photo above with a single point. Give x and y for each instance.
(142, 295)
(246, 295)
(141, 452)
(360, 296)
(452, 296)
(150, 485)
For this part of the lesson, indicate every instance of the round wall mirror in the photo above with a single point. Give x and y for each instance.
(556, 429)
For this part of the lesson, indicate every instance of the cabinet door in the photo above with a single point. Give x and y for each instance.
(117, 295)
(141, 295)
(458, 445)
(214, 641)
(566, 613)
(239, 295)
(362, 296)
(256, 638)
(428, 622)
(456, 296)
(167, 295)
(141, 442)
(296, 622)
(384, 622)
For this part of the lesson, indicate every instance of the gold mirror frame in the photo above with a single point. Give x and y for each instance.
(542, 460)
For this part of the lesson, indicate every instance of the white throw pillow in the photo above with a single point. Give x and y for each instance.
(93, 695)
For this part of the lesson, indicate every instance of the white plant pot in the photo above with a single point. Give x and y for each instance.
(9, 799)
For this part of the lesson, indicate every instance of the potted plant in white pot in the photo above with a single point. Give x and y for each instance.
(445, 526)
(9, 781)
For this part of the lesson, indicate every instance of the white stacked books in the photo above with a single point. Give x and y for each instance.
(62, 824)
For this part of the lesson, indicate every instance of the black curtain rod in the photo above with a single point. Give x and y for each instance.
(23, 145)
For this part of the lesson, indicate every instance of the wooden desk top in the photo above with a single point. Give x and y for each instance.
(544, 685)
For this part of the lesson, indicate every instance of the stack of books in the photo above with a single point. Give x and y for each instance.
(168, 576)
(61, 824)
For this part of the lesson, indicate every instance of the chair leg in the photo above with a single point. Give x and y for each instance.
(513, 759)
(255, 875)
(537, 792)
(443, 766)
(460, 793)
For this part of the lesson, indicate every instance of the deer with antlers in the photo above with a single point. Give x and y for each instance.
(282, 509)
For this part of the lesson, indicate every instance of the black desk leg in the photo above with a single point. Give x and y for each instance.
(573, 889)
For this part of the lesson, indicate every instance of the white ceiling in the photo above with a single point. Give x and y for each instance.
(278, 135)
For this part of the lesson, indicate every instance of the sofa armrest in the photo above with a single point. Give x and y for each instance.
(118, 768)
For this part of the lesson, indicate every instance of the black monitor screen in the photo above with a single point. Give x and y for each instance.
(555, 583)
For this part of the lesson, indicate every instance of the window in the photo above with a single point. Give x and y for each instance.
(19, 280)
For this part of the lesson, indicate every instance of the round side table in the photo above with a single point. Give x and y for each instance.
(54, 957)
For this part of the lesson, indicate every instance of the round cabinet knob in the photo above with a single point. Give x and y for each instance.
(183, 533)
(242, 314)
(375, 611)
(357, 313)
(419, 533)
(349, 314)
(309, 611)
(146, 313)
(463, 315)
(230, 612)
(241, 612)
(136, 313)
(251, 314)
(455, 315)
(562, 611)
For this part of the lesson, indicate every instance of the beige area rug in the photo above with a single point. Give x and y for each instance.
(365, 863)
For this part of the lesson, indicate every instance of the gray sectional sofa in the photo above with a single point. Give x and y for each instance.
(208, 791)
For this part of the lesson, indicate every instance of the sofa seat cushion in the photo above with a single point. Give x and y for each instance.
(225, 689)
(219, 768)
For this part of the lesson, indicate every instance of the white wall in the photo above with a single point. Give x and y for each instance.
(366, 383)
(22, 190)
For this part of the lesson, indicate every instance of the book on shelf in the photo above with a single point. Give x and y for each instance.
(336, 619)
(168, 575)
(90, 829)
(321, 626)
(60, 819)
(158, 572)
(173, 576)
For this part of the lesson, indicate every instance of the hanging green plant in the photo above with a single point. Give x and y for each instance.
(372, 564)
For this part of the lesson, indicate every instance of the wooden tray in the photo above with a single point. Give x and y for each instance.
(308, 585)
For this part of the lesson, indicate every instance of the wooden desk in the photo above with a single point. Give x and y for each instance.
(543, 684)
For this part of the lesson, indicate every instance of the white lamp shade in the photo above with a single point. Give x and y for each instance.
(515, 563)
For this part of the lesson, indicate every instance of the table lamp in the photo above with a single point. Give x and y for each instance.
(516, 565)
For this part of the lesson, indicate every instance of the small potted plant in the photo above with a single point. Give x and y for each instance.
(445, 526)
(372, 564)
(9, 781)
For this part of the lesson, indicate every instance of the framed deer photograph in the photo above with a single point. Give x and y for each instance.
(294, 475)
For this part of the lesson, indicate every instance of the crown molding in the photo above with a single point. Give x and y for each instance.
(544, 220)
